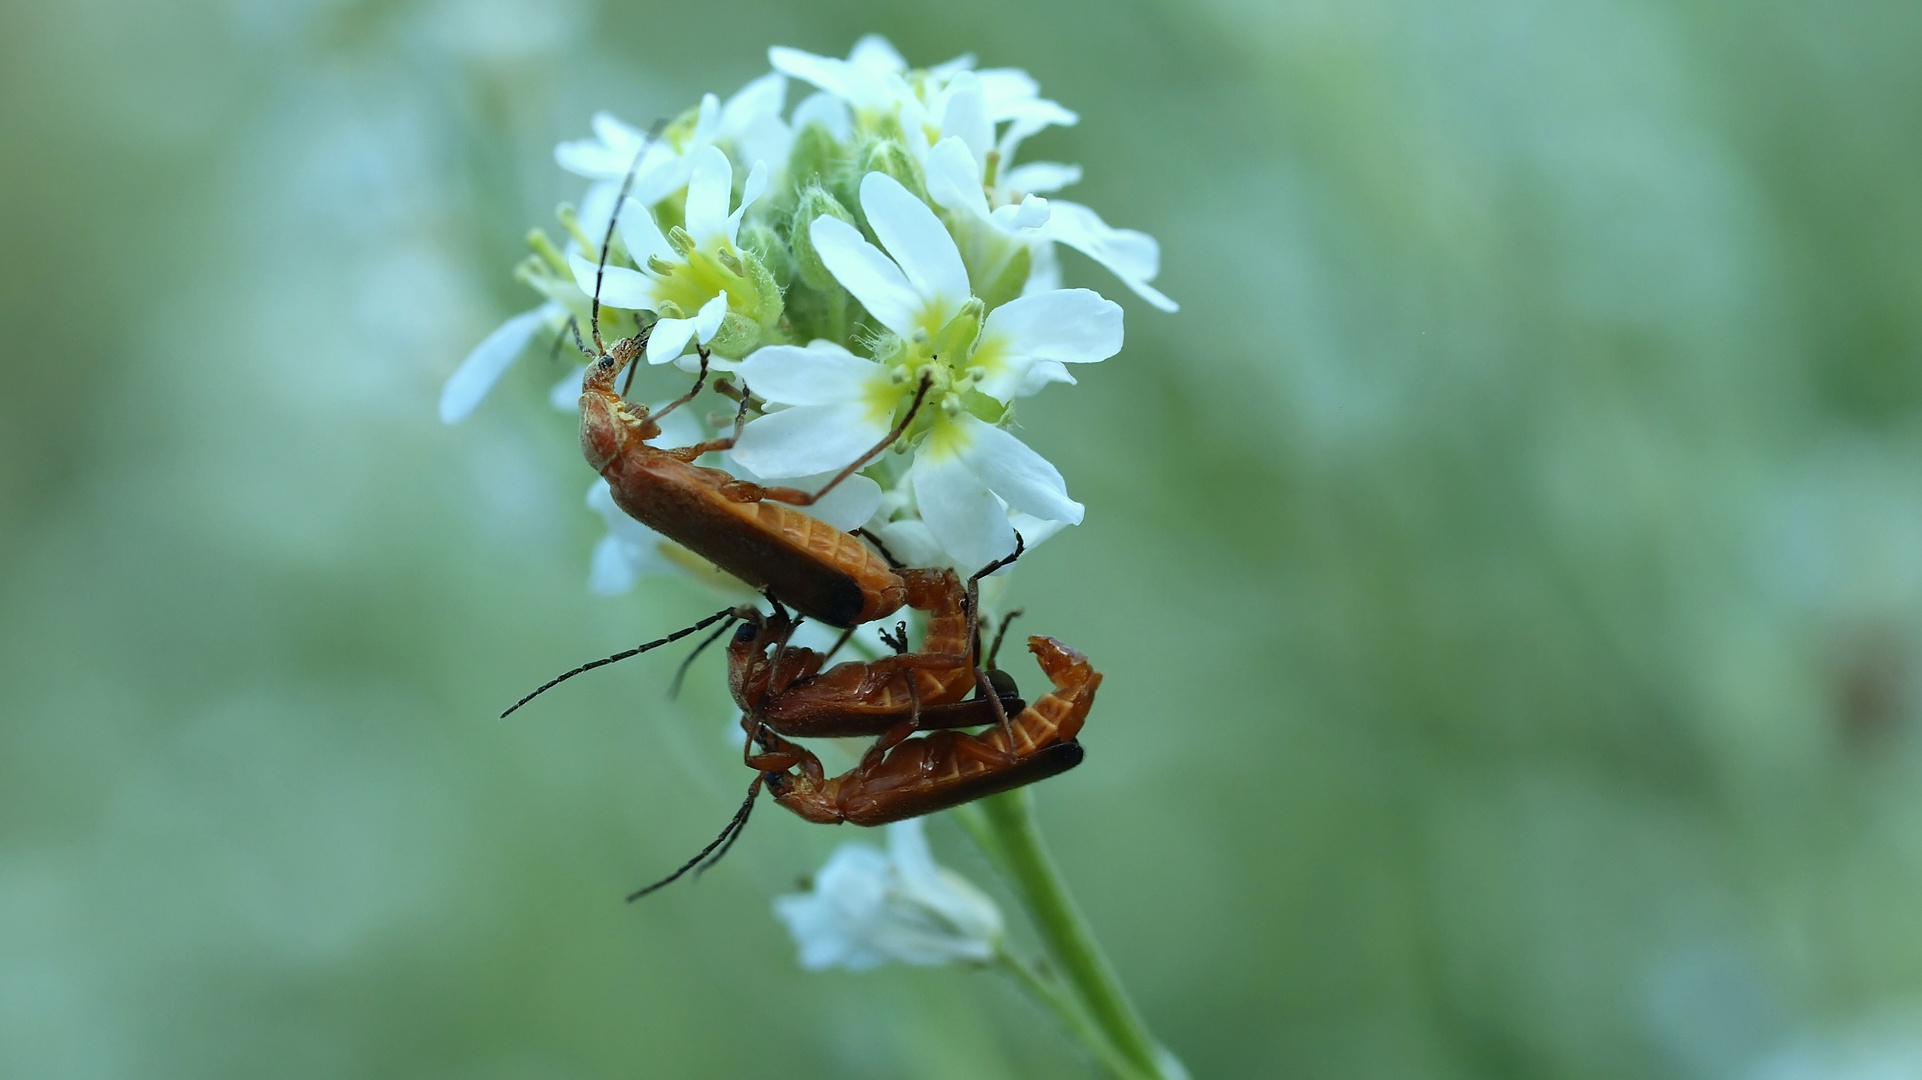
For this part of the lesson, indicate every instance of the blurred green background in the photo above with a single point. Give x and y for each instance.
(1506, 565)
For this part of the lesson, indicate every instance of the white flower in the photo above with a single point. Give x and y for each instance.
(867, 908)
(693, 276)
(750, 122)
(489, 360)
(967, 473)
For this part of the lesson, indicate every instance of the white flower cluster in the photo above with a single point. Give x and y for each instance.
(834, 258)
(867, 907)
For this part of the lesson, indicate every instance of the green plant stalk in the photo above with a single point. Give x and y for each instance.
(1068, 1012)
(1017, 848)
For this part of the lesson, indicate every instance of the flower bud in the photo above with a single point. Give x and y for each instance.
(815, 202)
(762, 243)
(890, 157)
(764, 306)
(816, 154)
(738, 335)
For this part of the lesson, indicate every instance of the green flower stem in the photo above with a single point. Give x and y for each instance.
(1013, 841)
(1070, 1015)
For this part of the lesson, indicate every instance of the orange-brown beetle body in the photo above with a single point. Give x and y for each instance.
(823, 572)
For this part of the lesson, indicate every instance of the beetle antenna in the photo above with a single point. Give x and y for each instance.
(723, 841)
(560, 337)
(574, 327)
(607, 238)
(622, 655)
(680, 673)
(995, 649)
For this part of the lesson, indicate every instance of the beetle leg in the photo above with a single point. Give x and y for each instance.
(985, 688)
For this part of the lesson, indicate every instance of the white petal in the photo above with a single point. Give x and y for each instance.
(954, 178)
(863, 270)
(707, 123)
(751, 190)
(1031, 212)
(1041, 177)
(821, 374)
(762, 97)
(709, 187)
(1033, 531)
(1039, 375)
(1027, 480)
(609, 153)
(848, 506)
(948, 69)
(911, 543)
(964, 516)
(566, 394)
(1046, 273)
(484, 366)
(768, 138)
(877, 53)
(826, 110)
(1004, 88)
(1074, 326)
(830, 925)
(809, 439)
(642, 236)
(618, 134)
(668, 338)
(707, 321)
(919, 243)
(629, 290)
(611, 571)
(596, 205)
(1132, 256)
(853, 83)
(965, 115)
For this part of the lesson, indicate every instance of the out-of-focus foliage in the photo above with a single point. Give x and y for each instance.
(1507, 566)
